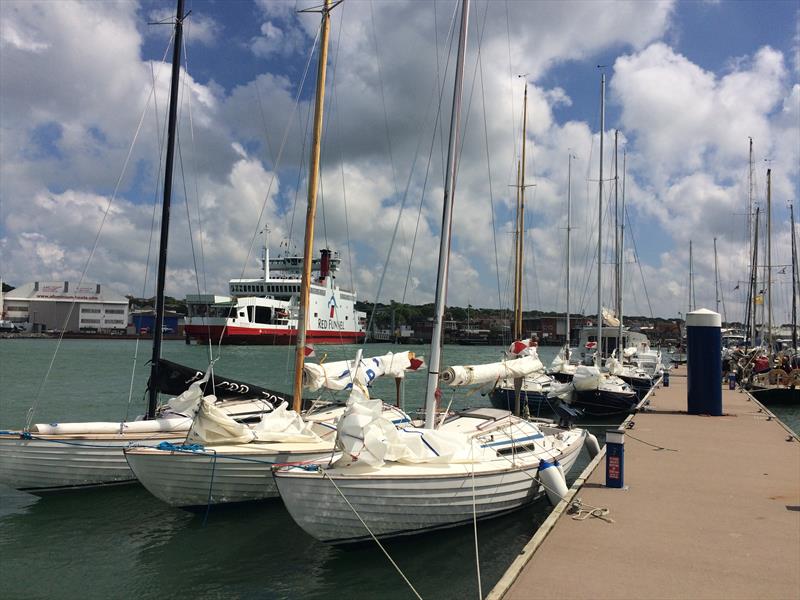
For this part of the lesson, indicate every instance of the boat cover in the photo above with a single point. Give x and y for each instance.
(213, 426)
(339, 375)
(477, 374)
(366, 437)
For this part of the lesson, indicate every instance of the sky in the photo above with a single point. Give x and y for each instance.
(83, 96)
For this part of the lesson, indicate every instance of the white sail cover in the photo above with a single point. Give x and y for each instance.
(213, 426)
(339, 375)
(586, 378)
(188, 402)
(613, 366)
(478, 374)
(609, 318)
(560, 363)
(176, 417)
(366, 437)
(284, 425)
(176, 423)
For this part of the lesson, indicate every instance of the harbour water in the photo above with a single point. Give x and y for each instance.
(123, 543)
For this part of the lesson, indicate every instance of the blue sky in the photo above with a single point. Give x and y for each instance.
(688, 82)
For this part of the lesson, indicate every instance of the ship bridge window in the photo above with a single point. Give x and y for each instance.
(221, 312)
(198, 310)
(263, 315)
(249, 313)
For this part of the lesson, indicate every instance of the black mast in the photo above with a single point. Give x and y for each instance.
(162, 254)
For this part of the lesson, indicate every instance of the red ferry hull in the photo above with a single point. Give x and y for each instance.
(204, 334)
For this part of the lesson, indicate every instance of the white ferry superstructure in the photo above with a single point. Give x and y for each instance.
(265, 310)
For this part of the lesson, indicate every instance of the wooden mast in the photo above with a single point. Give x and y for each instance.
(311, 211)
(521, 233)
(152, 402)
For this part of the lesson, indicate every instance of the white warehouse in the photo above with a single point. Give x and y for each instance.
(55, 305)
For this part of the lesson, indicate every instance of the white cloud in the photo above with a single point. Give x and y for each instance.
(65, 136)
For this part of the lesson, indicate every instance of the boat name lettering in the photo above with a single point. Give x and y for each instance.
(330, 324)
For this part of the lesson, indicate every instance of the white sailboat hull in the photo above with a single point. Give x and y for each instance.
(404, 499)
(218, 475)
(85, 454)
(54, 462)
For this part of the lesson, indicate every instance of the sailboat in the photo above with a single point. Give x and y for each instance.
(531, 393)
(56, 456)
(562, 368)
(779, 379)
(476, 464)
(226, 462)
(599, 393)
(621, 363)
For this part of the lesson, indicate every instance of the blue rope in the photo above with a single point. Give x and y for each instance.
(170, 447)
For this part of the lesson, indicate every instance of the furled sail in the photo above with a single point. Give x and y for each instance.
(174, 379)
(339, 375)
(492, 372)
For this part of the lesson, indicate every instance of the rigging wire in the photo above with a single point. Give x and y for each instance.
(183, 97)
(276, 167)
(489, 173)
(37, 398)
(392, 241)
(341, 156)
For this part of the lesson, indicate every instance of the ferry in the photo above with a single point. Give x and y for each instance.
(265, 310)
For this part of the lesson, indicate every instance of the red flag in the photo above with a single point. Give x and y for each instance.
(308, 351)
(416, 363)
(518, 347)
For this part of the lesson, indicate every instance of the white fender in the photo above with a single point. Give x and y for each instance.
(553, 481)
(592, 445)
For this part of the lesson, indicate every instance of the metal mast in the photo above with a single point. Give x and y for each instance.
(152, 402)
(311, 211)
(447, 218)
(598, 355)
(691, 278)
(795, 282)
(769, 258)
(622, 251)
(569, 230)
(716, 276)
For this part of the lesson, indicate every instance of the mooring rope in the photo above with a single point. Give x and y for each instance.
(383, 549)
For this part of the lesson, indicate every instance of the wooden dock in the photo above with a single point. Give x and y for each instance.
(711, 509)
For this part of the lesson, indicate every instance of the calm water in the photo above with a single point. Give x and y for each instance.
(123, 543)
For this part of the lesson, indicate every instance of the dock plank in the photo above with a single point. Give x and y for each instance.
(715, 515)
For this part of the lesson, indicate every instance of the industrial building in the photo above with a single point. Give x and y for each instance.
(62, 305)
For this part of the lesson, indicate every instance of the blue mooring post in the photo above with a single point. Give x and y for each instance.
(615, 457)
(732, 380)
(665, 378)
(704, 363)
